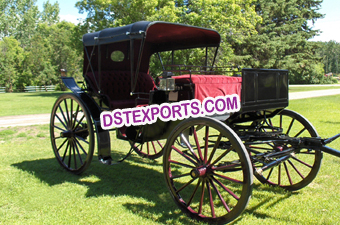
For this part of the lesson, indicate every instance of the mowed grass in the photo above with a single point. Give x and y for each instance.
(34, 189)
(311, 88)
(27, 103)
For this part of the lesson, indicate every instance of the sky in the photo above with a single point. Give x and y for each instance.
(329, 25)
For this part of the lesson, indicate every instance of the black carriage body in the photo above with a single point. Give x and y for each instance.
(126, 83)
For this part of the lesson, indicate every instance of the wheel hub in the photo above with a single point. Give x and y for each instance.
(198, 172)
(68, 134)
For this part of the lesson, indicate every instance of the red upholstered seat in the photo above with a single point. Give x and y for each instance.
(212, 85)
(116, 85)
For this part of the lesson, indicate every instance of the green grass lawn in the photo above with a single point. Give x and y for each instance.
(36, 190)
(310, 88)
(27, 103)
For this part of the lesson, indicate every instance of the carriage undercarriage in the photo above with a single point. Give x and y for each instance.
(208, 162)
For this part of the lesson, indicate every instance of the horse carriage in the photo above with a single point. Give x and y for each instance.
(208, 162)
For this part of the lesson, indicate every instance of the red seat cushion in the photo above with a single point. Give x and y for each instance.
(116, 85)
(212, 85)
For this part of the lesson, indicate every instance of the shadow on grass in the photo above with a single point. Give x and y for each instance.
(266, 201)
(129, 179)
(330, 122)
(124, 179)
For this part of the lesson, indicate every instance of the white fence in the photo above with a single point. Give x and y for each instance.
(39, 88)
(33, 89)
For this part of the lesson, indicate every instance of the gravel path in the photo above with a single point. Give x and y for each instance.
(27, 120)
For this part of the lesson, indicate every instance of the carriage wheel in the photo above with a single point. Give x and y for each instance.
(299, 170)
(71, 132)
(210, 175)
(150, 149)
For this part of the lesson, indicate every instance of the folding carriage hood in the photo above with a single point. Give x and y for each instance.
(166, 36)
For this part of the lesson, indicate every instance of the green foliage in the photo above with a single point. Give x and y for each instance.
(11, 58)
(282, 40)
(234, 19)
(36, 45)
(330, 53)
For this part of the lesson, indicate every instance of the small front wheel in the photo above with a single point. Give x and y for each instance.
(71, 132)
(208, 172)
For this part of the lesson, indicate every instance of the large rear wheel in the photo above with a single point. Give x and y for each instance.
(71, 132)
(208, 172)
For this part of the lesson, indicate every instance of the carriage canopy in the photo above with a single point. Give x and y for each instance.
(162, 36)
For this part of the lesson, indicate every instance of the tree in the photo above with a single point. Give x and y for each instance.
(11, 58)
(50, 13)
(330, 53)
(282, 40)
(52, 49)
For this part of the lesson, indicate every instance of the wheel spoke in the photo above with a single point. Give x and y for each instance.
(226, 167)
(211, 201)
(81, 147)
(79, 122)
(181, 164)
(71, 112)
(290, 126)
(300, 132)
(194, 193)
(186, 185)
(198, 146)
(228, 178)
(294, 167)
(68, 143)
(61, 121)
(222, 155)
(220, 196)
(59, 128)
(74, 156)
(75, 118)
(62, 113)
(206, 144)
(279, 175)
(61, 145)
(66, 111)
(289, 177)
(160, 144)
(154, 148)
(80, 159)
(190, 147)
(70, 156)
(82, 139)
(184, 155)
(270, 173)
(215, 147)
(293, 157)
(225, 188)
(202, 198)
(179, 176)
